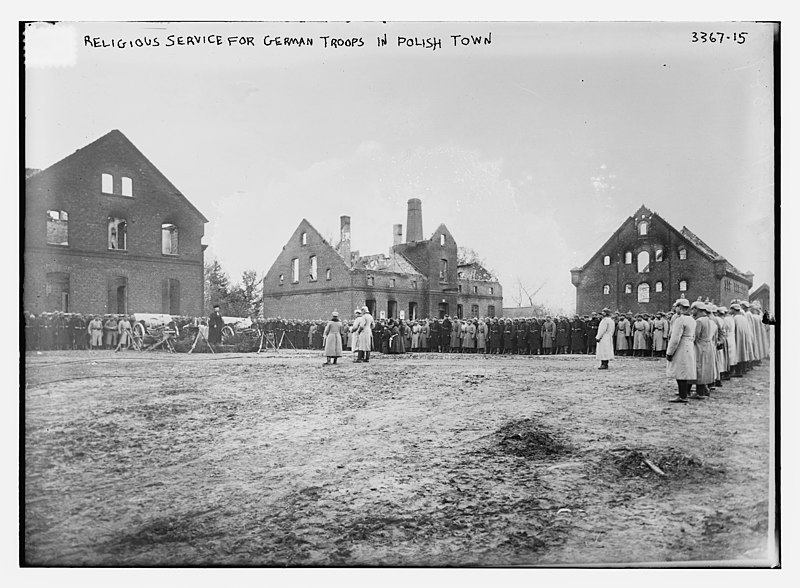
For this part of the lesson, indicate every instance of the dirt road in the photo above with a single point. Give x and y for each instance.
(420, 459)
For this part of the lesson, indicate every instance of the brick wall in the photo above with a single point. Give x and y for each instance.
(74, 186)
(703, 275)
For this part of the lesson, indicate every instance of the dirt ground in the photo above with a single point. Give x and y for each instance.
(421, 459)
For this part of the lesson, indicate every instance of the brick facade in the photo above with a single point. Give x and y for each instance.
(704, 271)
(410, 280)
(96, 278)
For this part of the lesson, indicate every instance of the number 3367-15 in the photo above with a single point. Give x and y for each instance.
(705, 37)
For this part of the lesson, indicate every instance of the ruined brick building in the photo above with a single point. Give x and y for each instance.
(106, 232)
(418, 278)
(647, 264)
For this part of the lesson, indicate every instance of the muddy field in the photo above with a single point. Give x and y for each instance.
(420, 459)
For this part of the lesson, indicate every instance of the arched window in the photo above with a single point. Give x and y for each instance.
(127, 186)
(304, 238)
(628, 289)
(606, 289)
(328, 274)
(628, 257)
(295, 270)
(659, 255)
(659, 286)
(644, 292)
(442, 240)
(682, 253)
(643, 228)
(606, 260)
(280, 280)
(682, 286)
(643, 261)
(57, 227)
(312, 268)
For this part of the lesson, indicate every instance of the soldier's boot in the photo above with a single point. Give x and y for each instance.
(718, 383)
(366, 356)
(603, 364)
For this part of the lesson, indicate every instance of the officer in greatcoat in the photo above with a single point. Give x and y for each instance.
(681, 357)
(604, 337)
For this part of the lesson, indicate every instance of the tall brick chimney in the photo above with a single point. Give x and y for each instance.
(344, 243)
(397, 235)
(414, 221)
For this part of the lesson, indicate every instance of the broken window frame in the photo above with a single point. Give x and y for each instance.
(63, 217)
(117, 240)
(170, 229)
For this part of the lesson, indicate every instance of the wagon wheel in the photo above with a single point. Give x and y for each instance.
(139, 330)
(227, 333)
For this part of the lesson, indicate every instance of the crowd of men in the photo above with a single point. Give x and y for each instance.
(641, 334)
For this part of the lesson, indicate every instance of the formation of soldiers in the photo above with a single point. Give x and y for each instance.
(643, 334)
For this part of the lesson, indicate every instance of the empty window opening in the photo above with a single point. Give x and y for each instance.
(370, 280)
(169, 239)
(490, 311)
(491, 290)
(460, 311)
(443, 269)
(57, 227)
(392, 282)
(643, 228)
(412, 311)
(280, 280)
(107, 183)
(117, 233)
(127, 186)
(628, 257)
(312, 268)
(474, 289)
(659, 255)
(683, 286)
(442, 240)
(628, 289)
(474, 310)
(682, 253)
(328, 274)
(659, 287)
(295, 270)
(643, 261)
(644, 292)
(606, 260)
(304, 239)
(606, 289)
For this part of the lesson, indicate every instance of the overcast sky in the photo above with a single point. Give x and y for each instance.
(532, 149)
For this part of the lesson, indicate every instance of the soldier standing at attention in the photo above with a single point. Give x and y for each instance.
(592, 326)
(681, 358)
(110, 329)
(605, 339)
(447, 329)
(95, 329)
(333, 339)
(578, 332)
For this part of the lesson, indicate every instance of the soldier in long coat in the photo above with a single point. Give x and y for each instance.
(495, 336)
(592, 326)
(743, 344)
(508, 330)
(78, 326)
(660, 334)
(480, 335)
(755, 321)
(332, 334)
(435, 330)
(705, 348)
(639, 335)
(562, 335)
(623, 327)
(577, 335)
(522, 337)
(445, 334)
(424, 336)
(604, 338)
(455, 336)
(415, 329)
(365, 334)
(681, 357)
(548, 336)
(534, 337)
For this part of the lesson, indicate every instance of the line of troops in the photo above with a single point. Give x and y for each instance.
(65, 331)
(709, 344)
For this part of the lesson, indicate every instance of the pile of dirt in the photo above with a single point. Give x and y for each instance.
(529, 439)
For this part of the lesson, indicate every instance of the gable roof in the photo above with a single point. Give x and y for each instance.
(117, 135)
(475, 271)
(700, 245)
(394, 262)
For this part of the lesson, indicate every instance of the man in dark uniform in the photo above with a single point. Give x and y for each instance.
(591, 334)
(522, 337)
(215, 324)
(436, 328)
(534, 336)
(447, 330)
(578, 331)
(78, 327)
(495, 336)
(508, 339)
(562, 334)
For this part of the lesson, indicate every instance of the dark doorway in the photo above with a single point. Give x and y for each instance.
(58, 291)
(412, 311)
(370, 304)
(118, 295)
(444, 310)
(391, 309)
(460, 311)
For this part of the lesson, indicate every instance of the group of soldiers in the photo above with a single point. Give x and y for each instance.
(709, 344)
(62, 331)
